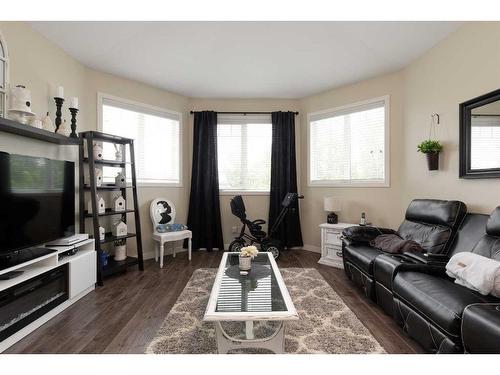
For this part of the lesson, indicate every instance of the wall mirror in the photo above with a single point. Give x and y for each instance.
(480, 136)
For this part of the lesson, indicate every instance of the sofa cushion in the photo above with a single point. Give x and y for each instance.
(471, 230)
(481, 328)
(436, 212)
(493, 224)
(432, 238)
(432, 222)
(362, 256)
(437, 299)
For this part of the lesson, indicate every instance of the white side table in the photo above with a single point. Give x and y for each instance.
(331, 244)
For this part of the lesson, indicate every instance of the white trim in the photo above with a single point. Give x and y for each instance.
(100, 99)
(387, 157)
(212, 315)
(311, 248)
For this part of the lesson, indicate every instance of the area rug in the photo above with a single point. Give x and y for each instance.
(326, 324)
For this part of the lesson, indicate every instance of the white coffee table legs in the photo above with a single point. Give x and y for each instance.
(274, 343)
(249, 330)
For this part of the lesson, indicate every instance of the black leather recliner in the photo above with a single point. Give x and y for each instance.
(386, 266)
(432, 223)
(481, 328)
(430, 306)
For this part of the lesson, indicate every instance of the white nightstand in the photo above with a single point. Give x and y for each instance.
(331, 244)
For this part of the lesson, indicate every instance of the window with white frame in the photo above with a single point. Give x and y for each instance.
(485, 141)
(244, 152)
(348, 145)
(157, 140)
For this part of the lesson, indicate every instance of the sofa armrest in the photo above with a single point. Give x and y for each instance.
(481, 328)
(429, 258)
(364, 234)
(386, 266)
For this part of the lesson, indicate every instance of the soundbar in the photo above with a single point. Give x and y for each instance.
(68, 241)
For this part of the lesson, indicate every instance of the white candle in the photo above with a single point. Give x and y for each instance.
(73, 103)
(60, 92)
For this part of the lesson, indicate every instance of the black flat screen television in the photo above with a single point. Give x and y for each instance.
(37, 201)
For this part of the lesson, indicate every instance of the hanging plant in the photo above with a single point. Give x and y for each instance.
(430, 147)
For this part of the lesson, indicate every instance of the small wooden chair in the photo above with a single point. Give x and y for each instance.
(163, 212)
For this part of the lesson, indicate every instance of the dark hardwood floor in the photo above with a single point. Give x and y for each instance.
(124, 315)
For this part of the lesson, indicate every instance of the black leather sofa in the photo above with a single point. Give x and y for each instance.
(432, 223)
(481, 328)
(443, 317)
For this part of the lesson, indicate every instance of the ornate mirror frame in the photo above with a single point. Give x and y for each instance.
(465, 110)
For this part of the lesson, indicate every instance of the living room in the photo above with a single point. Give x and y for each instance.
(249, 187)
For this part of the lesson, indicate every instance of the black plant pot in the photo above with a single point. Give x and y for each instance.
(433, 161)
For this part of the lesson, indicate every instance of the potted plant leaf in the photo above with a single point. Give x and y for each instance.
(431, 149)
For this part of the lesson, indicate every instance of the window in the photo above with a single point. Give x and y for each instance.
(348, 145)
(157, 137)
(244, 152)
(485, 141)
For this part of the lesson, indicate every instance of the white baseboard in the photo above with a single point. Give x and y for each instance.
(180, 249)
(168, 251)
(312, 248)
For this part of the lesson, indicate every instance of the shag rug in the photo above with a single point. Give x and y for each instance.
(326, 324)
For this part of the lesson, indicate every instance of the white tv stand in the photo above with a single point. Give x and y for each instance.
(82, 271)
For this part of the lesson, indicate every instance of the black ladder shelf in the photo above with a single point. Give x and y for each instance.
(88, 139)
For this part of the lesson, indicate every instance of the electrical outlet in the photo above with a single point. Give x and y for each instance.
(234, 230)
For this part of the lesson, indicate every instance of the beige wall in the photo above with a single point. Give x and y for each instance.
(381, 204)
(40, 65)
(257, 205)
(98, 82)
(463, 66)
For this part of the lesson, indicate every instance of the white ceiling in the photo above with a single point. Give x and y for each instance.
(246, 59)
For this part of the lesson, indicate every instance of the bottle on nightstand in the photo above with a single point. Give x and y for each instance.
(362, 222)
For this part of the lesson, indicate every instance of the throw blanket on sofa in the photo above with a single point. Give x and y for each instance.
(475, 272)
(392, 243)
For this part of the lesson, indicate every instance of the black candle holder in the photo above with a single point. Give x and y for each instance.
(59, 103)
(73, 111)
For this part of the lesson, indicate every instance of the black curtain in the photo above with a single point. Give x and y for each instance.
(284, 178)
(204, 207)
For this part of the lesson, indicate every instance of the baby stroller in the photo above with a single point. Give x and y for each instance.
(257, 235)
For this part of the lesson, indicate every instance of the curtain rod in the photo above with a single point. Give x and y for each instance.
(242, 113)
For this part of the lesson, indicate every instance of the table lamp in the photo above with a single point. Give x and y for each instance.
(332, 205)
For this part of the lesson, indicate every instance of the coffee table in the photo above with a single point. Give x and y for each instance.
(260, 295)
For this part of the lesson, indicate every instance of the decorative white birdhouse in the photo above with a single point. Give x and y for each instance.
(120, 229)
(97, 151)
(101, 205)
(102, 233)
(98, 176)
(118, 153)
(119, 203)
(120, 180)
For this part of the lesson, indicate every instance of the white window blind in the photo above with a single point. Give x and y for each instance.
(244, 152)
(156, 137)
(347, 146)
(485, 142)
